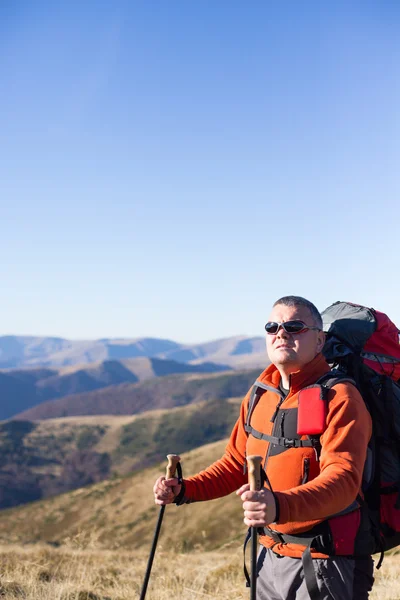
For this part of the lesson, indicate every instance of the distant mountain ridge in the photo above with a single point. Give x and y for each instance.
(153, 394)
(30, 351)
(22, 389)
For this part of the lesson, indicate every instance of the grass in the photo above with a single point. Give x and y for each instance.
(81, 571)
(93, 544)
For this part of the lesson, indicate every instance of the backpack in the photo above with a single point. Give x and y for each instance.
(363, 344)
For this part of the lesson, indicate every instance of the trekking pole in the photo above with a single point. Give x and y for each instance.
(173, 460)
(254, 469)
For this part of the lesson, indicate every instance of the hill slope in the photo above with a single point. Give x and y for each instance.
(20, 389)
(163, 392)
(120, 513)
(48, 457)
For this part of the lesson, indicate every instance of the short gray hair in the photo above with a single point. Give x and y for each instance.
(293, 301)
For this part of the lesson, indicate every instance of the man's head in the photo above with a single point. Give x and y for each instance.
(288, 351)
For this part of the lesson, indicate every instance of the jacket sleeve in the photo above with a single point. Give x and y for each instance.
(344, 448)
(226, 474)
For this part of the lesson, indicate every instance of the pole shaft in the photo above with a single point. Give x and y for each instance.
(152, 553)
(253, 576)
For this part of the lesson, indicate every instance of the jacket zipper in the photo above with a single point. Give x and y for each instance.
(306, 470)
(281, 424)
(277, 408)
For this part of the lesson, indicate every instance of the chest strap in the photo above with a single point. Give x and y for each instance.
(280, 441)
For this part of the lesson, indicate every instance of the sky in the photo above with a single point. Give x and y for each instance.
(171, 168)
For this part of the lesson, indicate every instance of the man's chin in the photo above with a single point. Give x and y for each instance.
(285, 358)
(285, 354)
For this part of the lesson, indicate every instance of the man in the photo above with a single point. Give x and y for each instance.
(311, 479)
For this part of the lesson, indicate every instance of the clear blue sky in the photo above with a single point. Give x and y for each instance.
(170, 168)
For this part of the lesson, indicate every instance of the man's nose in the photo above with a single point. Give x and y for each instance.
(282, 333)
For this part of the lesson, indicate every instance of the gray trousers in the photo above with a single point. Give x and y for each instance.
(338, 577)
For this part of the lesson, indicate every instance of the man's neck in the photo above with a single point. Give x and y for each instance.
(285, 380)
(284, 389)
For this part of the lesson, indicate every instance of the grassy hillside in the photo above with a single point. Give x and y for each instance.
(93, 544)
(121, 513)
(40, 459)
(156, 393)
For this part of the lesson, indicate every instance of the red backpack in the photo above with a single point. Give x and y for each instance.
(363, 344)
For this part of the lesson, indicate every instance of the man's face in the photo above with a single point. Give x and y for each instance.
(289, 352)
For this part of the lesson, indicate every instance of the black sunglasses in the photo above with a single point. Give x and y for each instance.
(289, 326)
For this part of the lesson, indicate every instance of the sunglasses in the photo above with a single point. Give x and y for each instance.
(289, 326)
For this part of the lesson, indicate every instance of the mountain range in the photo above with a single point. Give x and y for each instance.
(54, 377)
(152, 394)
(30, 351)
(114, 430)
(22, 389)
(51, 378)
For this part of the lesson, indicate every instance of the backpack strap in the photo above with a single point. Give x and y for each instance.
(317, 538)
(327, 382)
(258, 389)
(334, 376)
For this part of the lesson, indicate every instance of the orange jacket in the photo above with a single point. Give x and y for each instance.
(333, 482)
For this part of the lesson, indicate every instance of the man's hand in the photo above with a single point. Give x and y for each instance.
(259, 507)
(165, 490)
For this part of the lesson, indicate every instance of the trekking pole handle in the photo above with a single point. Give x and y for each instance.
(254, 470)
(173, 460)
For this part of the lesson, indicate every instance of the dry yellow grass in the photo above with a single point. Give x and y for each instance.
(80, 571)
(105, 532)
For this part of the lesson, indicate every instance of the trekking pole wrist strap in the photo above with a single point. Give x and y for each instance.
(180, 498)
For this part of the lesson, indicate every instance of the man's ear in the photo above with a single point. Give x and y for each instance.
(320, 340)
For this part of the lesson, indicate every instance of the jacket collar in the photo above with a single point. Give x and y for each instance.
(308, 375)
